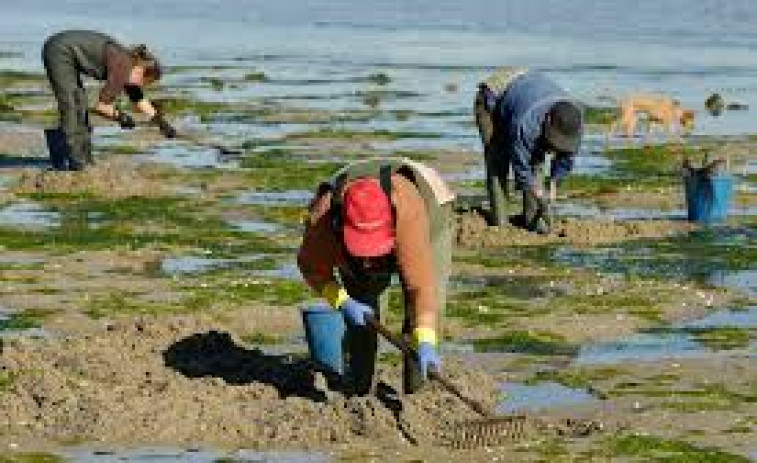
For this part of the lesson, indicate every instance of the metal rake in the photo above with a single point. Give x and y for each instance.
(492, 430)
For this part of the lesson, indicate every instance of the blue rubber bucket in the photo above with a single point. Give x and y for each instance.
(708, 198)
(324, 332)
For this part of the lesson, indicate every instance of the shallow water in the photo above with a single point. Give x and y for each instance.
(14, 260)
(186, 190)
(325, 47)
(275, 198)
(255, 226)
(744, 279)
(182, 155)
(725, 318)
(588, 163)
(147, 455)
(192, 264)
(749, 188)
(641, 347)
(7, 332)
(283, 271)
(702, 256)
(540, 396)
(584, 210)
(28, 214)
(627, 213)
(178, 265)
(750, 168)
(6, 181)
(674, 344)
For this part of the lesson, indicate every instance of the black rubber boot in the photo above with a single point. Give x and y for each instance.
(57, 148)
(361, 344)
(412, 379)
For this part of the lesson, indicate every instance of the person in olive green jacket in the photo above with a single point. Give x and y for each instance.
(374, 219)
(69, 55)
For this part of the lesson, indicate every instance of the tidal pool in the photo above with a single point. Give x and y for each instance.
(193, 264)
(255, 226)
(276, 198)
(283, 271)
(29, 214)
(156, 454)
(181, 155)
(679, 341)
(14, 325)
(589, 211)
(713, 254)
(743, 279)
(586, 210)
(540, 396)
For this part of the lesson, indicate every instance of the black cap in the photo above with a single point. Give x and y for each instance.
(563, 127)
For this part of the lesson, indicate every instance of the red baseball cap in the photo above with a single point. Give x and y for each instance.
(368, 229)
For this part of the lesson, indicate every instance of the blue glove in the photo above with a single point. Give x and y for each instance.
(354, 312)
(428, 358)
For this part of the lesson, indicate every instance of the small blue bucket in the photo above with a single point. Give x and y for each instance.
(324, 332)
(708, 198)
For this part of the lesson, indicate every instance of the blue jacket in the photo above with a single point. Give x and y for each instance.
(520, 112)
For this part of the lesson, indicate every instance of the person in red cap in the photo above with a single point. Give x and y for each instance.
(372, 220)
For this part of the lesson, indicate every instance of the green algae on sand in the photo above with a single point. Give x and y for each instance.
(669, 450)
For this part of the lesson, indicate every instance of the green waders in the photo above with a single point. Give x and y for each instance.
(495, 161)
(66, 56)
(370, 288)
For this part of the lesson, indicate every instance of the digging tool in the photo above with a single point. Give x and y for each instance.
(226, 151)
(478, 407)
(493, 430)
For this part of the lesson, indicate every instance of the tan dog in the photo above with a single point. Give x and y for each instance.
(659, 109)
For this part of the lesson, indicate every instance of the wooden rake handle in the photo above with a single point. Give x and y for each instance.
(225, 150)
(400, 344)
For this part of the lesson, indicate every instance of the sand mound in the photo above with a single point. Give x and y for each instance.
(179, 380)
(111, 178)
(474, 232)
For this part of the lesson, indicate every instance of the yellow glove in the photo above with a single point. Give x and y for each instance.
(427, 335)
(334, 294)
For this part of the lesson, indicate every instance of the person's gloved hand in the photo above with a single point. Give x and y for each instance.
(428, 358)
(355, 312)
(542, 221)
(125, 120)
(165, 128)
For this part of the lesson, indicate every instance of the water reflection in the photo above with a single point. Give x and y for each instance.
(169, 454)
(540, 396)
(680, 341)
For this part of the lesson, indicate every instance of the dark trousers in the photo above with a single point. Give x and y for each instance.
(497, 164)
(69, 92)
(361, 344)
(495, 160)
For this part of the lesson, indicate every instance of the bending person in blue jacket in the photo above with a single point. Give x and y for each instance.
(522, 115)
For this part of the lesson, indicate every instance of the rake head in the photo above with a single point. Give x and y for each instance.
(500, 431)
